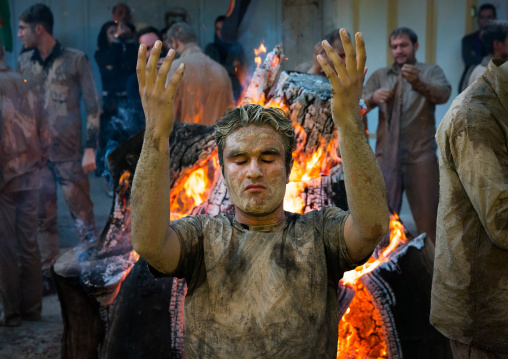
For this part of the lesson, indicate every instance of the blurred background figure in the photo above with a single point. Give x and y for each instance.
(205, 90)
(24, 143)
(116, 57)
(473, 50)
(313, 67)
(231, 56)
(495, 41)
(122, 13)
(63, 78)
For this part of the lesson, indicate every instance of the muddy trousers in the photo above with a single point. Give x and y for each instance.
(465, 351)
(20, 260)
(76, 191)
(421, 183)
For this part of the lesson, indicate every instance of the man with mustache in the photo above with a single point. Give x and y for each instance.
(407, 93)
(261, 283)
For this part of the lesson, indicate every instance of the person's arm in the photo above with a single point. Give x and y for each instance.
(91, 101)
(481, 161)
(369, 217)
(437, 90)
(151, 235)
(469, 56)
(375, 95)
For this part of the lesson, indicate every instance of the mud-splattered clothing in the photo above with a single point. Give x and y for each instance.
(405, 144)
(24, 134)
(262, 291)
(62, 79)
(470, 284)
(24, 143)
(204, 92)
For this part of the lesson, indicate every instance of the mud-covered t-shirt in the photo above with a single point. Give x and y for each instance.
(262, 291)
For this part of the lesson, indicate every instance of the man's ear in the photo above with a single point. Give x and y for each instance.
(496, 45)
(416, 46)
(39, 29)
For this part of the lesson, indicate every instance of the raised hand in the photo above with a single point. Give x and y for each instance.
(346, 78)
(157, 99)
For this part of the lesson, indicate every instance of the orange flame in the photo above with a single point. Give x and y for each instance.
(195, 186)
(257, 52)
(360, 329)
(397, 237)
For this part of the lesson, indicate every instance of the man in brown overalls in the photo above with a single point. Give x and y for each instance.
(407, 94)
(63, 77)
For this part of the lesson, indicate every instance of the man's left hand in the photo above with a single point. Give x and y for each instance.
(88, 162)
(410, 73)
(346, 79)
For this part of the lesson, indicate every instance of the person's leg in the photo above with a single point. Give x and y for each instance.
(30, 276)
(48, 229)
(76, 190)
(421, 181)
(9, 270)
(465, 351)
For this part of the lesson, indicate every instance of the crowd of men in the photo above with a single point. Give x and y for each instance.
(258, 278)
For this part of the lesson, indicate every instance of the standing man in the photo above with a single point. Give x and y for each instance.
(205, 91)
(407, 94)
(261, 283)
(24, 142)
(473, 50)
(469, 302)
(62, 76)
(495, 41)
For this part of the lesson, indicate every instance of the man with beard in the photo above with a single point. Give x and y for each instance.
(262, 282)
(62, 77)
(407, 94)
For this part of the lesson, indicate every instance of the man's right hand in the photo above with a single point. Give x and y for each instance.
(381, 96)
(157, 99)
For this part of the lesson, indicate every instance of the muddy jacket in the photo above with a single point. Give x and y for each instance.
(470, 284)
(24, 134)
(262, 291)
(62, 80)
(412, 107)
(204, 92)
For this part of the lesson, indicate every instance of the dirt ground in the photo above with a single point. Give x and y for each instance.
(35, 340)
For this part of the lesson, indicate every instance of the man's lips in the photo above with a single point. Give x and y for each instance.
(255, 187)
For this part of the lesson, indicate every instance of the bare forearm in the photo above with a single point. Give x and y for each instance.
(150, 198)
(364, 182)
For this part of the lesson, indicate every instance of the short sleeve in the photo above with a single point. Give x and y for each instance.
(190, 234)
(338, 260)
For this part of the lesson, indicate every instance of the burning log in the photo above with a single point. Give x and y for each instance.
(88, 277)
(264, 77)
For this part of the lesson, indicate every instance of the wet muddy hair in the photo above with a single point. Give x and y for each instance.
(38, 14)
(182, 32)
(252, 114)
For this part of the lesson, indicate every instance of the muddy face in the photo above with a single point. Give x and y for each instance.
(254, 170)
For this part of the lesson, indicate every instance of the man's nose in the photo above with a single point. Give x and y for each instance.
(19, 33)
(254, 170)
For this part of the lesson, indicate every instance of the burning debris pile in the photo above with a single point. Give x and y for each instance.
(110, 303)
